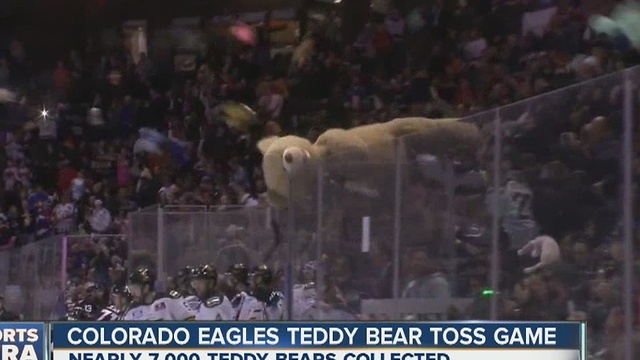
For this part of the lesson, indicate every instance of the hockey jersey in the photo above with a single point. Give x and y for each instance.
(304, 298)
(84, 311)
(247, 307)
(162, 308)
(109, 314)
(216, 308)
(191, 302)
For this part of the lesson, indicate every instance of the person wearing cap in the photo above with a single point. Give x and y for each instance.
(6, 315)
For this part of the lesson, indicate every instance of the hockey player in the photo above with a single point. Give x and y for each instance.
(305, 294)
(247, 307)
(212, 305)
(149, 305)
(330, 306)
(120, 298)
(88, 309)
(262, 288)
(182, 282)
(182, 288)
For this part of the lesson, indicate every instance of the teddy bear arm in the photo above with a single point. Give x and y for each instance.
(527, 248)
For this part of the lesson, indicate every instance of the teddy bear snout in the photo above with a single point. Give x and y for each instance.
(294, 159)
(288, 158)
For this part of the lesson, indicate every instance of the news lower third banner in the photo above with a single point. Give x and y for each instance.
(317, 341)
(23, 341)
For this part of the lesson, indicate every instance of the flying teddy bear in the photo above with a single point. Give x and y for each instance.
(544, 248)
(289, 162)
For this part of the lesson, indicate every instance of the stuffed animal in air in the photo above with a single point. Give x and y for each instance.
(353, 156)
(544, 248)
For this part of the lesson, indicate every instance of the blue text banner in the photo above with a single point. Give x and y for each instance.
(316, 335)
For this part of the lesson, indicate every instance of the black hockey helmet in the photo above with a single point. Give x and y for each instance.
(240, 273)
(142, 276)
(263, 274)
(208, 272)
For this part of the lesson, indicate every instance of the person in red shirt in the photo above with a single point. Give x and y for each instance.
(65, 176)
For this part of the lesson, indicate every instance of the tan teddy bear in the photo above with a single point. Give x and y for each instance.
(294, 160)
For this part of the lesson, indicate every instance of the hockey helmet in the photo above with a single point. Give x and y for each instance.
(208, 272)
(142, 276)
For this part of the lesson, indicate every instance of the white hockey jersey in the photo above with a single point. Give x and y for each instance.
(248, 308)
(162, 309)
(304, 298)
(216, 308)
(191, 302)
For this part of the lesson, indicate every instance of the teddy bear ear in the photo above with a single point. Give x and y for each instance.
(264, 144)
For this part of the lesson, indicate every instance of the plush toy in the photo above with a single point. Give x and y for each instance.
(544, 248)
(622, 25)
(294, 158)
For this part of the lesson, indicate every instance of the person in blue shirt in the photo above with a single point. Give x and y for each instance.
(37, 198)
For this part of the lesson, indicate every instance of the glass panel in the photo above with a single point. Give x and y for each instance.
(192, 235)
(143, 238)
(241, 235)
(221, 235)
(303, 231)
(358, 204)
(342, 225)
(560, 193)
(33, 284)
(94, 259)
(445, 221)
(185, 238)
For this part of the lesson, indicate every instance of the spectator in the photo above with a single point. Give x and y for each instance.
(78, 186)
(99, 219)
(427, 281)
(65, 215)
(244, 196)
(6, 315)
(43, 218)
